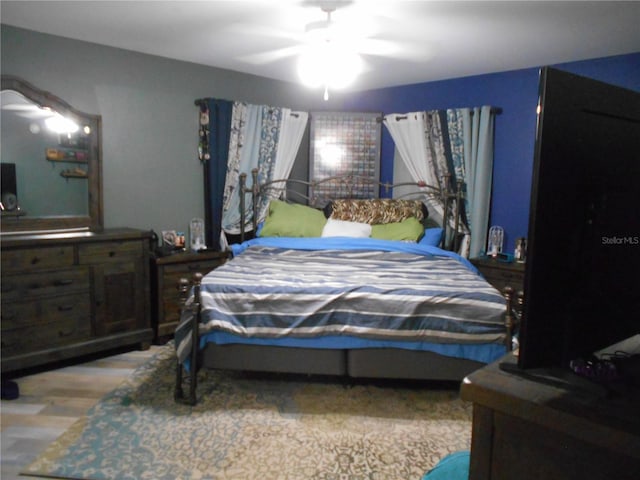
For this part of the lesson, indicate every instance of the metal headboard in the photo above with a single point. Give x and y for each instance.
(451, 198)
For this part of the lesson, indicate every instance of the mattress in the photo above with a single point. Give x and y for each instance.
(349, 293)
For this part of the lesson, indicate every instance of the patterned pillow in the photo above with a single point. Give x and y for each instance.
(376, 211)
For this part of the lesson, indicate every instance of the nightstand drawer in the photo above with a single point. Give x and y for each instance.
(504, 278)
(501, 274)
(186, 269)
(167, 272)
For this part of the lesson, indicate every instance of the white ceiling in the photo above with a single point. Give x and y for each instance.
(408, 41)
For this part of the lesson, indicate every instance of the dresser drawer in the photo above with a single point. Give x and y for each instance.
(100, 253)
(29, 259)
(35, 285)
(47, 310)
(28, 326)
(18, 341)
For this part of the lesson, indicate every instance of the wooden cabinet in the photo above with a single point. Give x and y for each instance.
(120, 284)
(501, 274)
(71, 294)
(166, 273)
(541, 425)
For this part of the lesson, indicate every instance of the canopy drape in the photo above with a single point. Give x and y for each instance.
(235, 138)
(458, 142)
(213, 149)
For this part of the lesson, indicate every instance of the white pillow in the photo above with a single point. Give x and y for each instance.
(342, 228)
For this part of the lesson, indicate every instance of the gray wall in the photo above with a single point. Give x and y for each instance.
(152, 176)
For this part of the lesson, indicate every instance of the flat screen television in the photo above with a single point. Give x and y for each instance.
(582, 277)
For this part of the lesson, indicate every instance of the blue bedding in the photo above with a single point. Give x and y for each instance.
(343, 292)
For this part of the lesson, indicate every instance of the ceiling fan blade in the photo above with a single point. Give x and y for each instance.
(271, 55)
(390, 48)
(253, 30)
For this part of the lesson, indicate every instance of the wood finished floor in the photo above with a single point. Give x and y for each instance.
(51, 401)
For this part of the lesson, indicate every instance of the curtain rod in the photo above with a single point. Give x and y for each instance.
(202, 102)
(494, 110)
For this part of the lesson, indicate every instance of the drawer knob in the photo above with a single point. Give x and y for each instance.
(65, 308)
(35, 260)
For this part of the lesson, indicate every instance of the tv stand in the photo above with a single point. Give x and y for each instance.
(558, 378)
(527, 428)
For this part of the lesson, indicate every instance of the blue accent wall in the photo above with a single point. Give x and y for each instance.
(516, 93)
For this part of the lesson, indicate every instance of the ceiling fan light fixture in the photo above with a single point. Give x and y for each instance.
(59, 124)
(330, 59)
(329, 65)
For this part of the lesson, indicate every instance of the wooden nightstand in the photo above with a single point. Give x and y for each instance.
(165, 273)
(501, 274)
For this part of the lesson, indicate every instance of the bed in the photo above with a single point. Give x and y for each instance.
(360, 288)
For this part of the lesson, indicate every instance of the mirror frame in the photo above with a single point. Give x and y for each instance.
(94, 221)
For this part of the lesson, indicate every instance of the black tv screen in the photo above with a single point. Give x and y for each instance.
(582, 277)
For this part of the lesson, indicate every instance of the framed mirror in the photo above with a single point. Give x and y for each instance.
(51, 159)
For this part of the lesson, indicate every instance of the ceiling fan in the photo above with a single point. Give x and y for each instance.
(330, 51)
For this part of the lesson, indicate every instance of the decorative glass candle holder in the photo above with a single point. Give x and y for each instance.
(495, 240)
(196, 235)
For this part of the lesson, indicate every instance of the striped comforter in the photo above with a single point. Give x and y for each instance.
(365, 288)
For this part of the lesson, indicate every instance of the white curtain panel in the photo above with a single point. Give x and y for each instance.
(292, 127)
(419, 144)
(263, 137)
(243, 157)
(409, 133)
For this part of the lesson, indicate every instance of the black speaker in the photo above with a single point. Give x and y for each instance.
(9, 191)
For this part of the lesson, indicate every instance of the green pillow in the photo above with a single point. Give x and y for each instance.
(292, 220)
(407, 230)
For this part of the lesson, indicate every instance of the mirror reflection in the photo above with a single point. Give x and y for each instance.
(47, 154)
(51, 175)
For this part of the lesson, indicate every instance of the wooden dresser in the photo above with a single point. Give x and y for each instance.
(70, 294)
(166, 272)
(531, 425)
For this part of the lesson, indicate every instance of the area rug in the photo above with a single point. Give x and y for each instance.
(259, 427)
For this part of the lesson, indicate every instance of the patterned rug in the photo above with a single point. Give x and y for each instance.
(259, 427)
